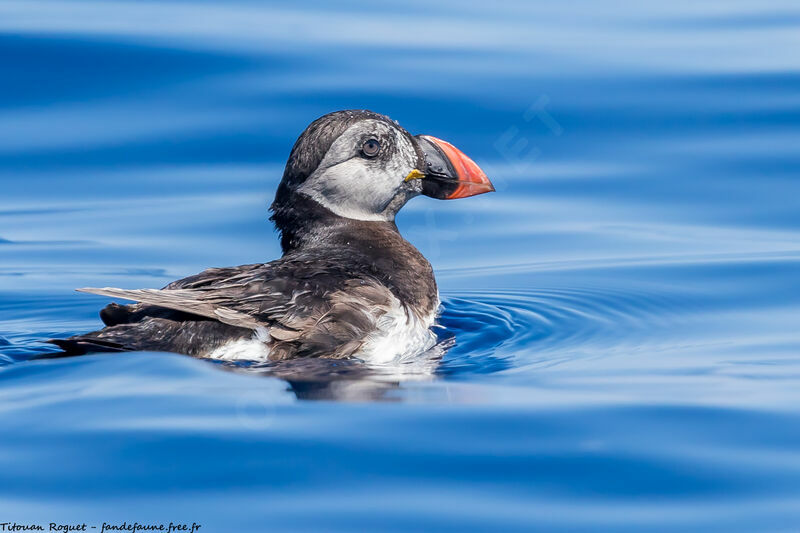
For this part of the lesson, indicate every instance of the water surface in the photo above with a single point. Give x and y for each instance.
(620, 345)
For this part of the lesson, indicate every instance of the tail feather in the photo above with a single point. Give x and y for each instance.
(82, 345)
(154, 334)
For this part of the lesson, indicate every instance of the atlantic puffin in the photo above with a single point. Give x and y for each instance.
(348, 284)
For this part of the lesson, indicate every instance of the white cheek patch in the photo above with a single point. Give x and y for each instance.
(352, 190)
(357, 188)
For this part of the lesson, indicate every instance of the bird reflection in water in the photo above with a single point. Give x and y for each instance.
(348, 379)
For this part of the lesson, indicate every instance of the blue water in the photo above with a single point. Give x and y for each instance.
(620, 340)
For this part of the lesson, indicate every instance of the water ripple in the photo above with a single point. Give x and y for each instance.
(504, 329)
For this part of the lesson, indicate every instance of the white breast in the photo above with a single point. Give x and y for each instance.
(400, 334)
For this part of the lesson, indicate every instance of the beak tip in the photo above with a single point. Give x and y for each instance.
(471, 180)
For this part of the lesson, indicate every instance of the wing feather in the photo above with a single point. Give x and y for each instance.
(312, 306)
(186, 300)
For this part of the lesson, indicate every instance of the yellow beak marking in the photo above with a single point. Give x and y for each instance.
(414, 175)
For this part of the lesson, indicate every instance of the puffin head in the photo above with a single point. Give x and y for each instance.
(364, 166)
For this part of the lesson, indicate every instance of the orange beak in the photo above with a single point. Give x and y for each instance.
(449, 173)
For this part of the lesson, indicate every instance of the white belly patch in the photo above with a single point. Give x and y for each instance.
(253, 349)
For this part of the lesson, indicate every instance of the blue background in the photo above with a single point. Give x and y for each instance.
(624, 308)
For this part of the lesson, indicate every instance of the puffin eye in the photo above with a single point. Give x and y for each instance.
(371, 147)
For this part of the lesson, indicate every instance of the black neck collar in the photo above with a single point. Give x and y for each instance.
(299, 219)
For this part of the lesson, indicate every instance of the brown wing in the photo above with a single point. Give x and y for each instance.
(309, 307)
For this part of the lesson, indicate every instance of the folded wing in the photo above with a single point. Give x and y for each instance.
(309, 308)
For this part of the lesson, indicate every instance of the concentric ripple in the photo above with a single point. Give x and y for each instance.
(499, 330)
